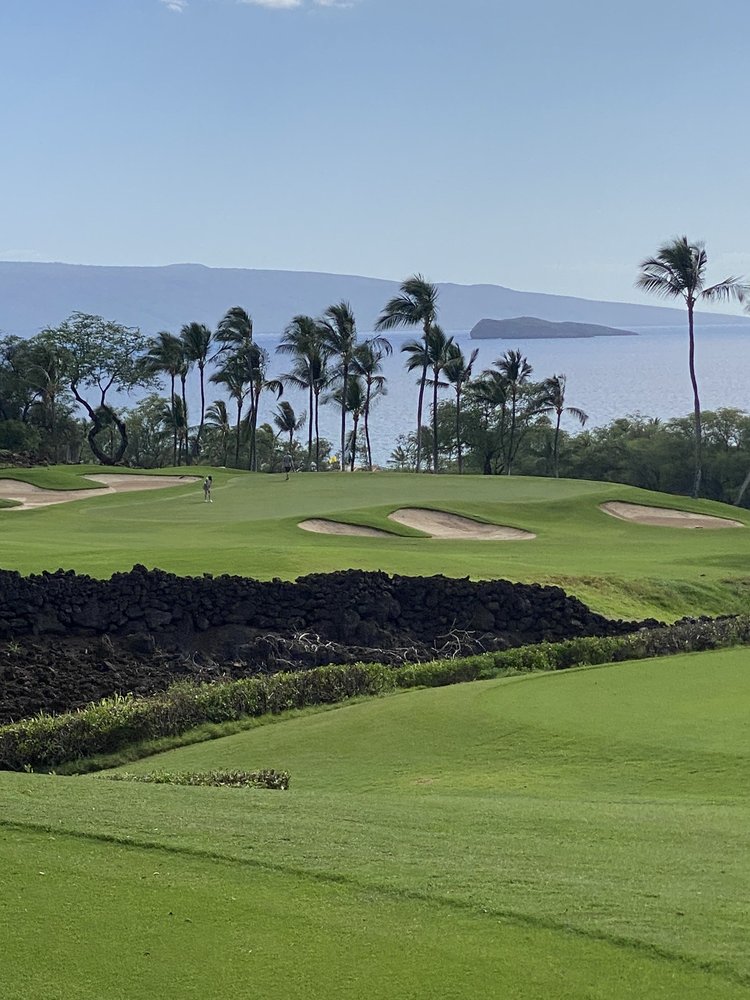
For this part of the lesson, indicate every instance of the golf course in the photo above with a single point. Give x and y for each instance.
(580, 834)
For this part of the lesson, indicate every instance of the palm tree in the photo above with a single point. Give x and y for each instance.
(339, 331)
(233, 376)
(516, 370)
(217, 417)
(165, 355)
(368, 365)
(416, 305)
(553, 401)
(303, 339)
(256, 368)
(196, 340)
(458, 374)
(287, 421)
(354, 403)
(438, 353)
(173, 417)
(678, 271)
(235, 334)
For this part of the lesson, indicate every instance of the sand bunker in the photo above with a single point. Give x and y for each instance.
(322, 527)
(440, 524)
(30, 497)
(666, 517)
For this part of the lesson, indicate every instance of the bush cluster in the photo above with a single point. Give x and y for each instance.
(213, 779)
(47, 741)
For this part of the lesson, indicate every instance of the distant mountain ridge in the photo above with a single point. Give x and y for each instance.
(532, 328)
(35, 295)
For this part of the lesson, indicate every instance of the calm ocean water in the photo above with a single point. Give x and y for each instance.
(608, 377)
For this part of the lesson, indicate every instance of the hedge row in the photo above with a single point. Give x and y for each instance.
(47, 741)
(213, 779)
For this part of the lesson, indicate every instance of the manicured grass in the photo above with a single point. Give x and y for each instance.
(619, 568)
(571, 835)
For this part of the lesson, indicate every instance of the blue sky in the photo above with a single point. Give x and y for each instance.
(546, 145)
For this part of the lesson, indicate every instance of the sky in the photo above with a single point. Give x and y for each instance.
(545, 145)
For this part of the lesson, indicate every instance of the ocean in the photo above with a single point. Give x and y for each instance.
(608, 377)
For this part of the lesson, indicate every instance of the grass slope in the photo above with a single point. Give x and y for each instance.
(578, 835)
(617, 567)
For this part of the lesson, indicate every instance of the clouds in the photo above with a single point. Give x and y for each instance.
(180, 6)
(295, 4)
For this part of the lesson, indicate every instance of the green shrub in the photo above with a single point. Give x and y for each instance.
(214, 779)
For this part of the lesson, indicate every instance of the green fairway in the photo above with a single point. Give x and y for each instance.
(580, 835)
(617, 567)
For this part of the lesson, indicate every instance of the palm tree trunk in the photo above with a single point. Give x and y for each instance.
(174, 423)
(743, 488)
(187, 425)
(317, 430)
(203, 412)
(343, 416)
(555, 460)
(512, 431)
(435, 373)
(458, 431)
(420, 401)
(354, 441)
(696, 405)
(366, 415)
(237, 443)
(310, 424)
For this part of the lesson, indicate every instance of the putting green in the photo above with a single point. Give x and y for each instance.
(619, 568)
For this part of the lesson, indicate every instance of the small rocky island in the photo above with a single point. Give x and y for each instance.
(532, 328)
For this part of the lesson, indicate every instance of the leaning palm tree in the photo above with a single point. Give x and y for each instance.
(256, 370)
(303, 340)
(553, 401)
(165, 356)
(288, 422)
(458, 374)
(439, 357)
(196, 340)
(678, 271)
(367, 361)
(339, 332)
(416, 305)
(233, 376)
(217, 418)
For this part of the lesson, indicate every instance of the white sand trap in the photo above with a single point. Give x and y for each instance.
(440, 524)
(666, 517)
(322, 527)
(30, 497)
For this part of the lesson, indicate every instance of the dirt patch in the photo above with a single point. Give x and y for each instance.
(441, 524)
(666, 517)
(30, 497)
(323, 527)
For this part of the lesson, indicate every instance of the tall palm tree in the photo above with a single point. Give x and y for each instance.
(417, 360)
(339, 331)
(288, 422)
(303, 340)
(353, 403)
(458, 374)
(165, 355)
(516, 371)
(368, 358)
(256, 370)
(217, 417)
(196, 340)
(678, 271)
(553, 401)
(233, 376)
(439, 357)
(416, 305)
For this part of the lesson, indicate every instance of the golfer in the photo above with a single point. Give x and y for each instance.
(288, 463)
(207, 484)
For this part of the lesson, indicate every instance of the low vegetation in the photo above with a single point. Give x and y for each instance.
(78, 739)
(209, 779)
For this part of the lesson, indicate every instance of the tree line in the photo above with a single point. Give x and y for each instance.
(61, 393)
